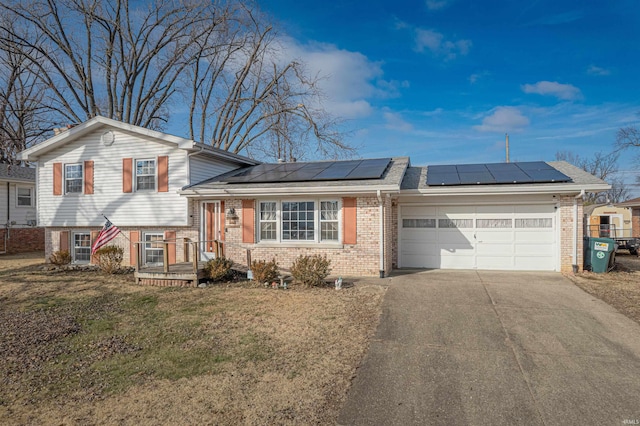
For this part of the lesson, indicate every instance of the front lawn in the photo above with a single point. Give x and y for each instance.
(87, 348)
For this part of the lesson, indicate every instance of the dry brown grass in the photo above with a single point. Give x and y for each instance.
(102, 350)
(619, 288)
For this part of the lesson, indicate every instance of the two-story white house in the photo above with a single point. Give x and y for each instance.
(367, 216)
(18, 210)
(131, 175)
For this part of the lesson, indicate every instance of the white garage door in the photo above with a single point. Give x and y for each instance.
(520, 237)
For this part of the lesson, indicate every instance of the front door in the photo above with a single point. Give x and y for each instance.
(213, 229)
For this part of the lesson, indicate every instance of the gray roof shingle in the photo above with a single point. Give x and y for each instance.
(12, 172)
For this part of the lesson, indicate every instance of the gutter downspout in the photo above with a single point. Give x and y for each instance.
(381, 233)
(575, 231)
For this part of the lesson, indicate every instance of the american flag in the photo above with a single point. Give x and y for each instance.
(108, 233)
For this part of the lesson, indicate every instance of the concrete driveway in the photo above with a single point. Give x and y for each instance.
(480, 348)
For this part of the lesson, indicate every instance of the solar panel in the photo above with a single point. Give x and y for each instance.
(476, 178)
(369, 169)
(512, 177)
(500, 173)
(548, 176)
(471, 168)
(534, 165)
(301, 172)
(442, 178)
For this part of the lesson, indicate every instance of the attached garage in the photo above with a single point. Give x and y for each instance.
(499, 237)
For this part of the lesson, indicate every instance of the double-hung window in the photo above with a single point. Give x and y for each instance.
(153, 248)
(328, 221)
(24, 197)
(81, 247)
(306, 221)
(268, 221)
(73, 178)
(145, 175)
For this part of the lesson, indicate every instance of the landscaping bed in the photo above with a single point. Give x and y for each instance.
(83, 347)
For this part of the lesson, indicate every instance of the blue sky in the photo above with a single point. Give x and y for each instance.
(443, 80)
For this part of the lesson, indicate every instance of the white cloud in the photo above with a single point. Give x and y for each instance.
(349, 80)
(439, 46)
(437, 4)
(565, 92)
(473, 78)
(503, 119)
(594, 70)
(394, 121)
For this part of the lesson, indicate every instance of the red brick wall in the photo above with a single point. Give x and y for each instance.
(22, 240)
(635, 221)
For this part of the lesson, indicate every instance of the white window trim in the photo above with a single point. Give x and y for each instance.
(31, 197)
(155, 174)
(81, 179)
(316, 242)
(73, 247)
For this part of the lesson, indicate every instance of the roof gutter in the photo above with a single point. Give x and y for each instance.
(456, 190)
(260, 192)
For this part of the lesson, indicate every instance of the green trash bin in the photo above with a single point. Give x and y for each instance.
(599, 254)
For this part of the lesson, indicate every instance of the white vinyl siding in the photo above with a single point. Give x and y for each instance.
(22, 215)
(204, 167)
(145, 208)
(498, 237)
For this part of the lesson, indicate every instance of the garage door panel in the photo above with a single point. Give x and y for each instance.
(507, 237)
(498, 236)
(534, 238)
(489, 250)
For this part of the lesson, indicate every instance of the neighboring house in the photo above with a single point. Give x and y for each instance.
(608, 220)
(367, 216)
(634, 206)
(18, 210)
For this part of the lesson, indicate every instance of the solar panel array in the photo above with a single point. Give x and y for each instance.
(495, 173)
(309, 172)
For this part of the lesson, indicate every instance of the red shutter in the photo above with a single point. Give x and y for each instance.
(127, 174)
(88, 177)
(222, 220)
(248, 221)
(64, 240)
(57, 178)
(163, 174)
(134, 237)
(349, 221)
(170, 236)
(94, 235)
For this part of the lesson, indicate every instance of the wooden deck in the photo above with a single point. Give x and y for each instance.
(179, 274)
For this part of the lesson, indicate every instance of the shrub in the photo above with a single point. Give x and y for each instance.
(60, 257)
(218, 269)
(264, 271)
(311, 270)
(109, 258)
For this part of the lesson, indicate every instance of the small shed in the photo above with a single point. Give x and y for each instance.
(608, 220)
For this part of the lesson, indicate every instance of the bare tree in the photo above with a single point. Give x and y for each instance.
(23, 118)
(135, 62)
(603, 166)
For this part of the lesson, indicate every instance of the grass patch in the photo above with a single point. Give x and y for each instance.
(86, 348)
